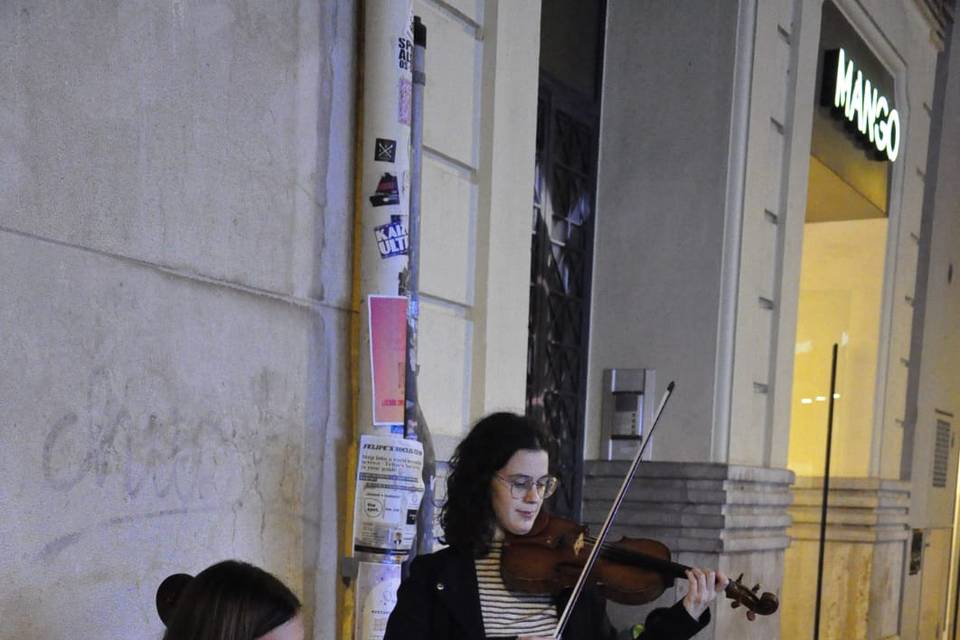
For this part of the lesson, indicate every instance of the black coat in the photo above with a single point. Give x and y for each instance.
(440, 600)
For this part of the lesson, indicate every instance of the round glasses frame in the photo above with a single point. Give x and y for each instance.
(520, 485)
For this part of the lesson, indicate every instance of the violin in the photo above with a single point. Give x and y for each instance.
(550, 558)
(636, 570)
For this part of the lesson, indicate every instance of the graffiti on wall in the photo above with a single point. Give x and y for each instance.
(133, 433)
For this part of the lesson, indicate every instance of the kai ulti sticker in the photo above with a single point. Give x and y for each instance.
(387, 191)
(391, 239)
(385, 150)
(405, 99)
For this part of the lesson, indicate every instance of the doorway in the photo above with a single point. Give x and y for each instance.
(568, 122)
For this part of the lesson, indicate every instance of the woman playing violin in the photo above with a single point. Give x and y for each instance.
(498, 481)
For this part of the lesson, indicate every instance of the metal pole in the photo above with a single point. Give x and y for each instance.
(412, 279)
(414, 425)
(826, 491)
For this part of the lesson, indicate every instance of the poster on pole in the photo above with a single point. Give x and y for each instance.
(389, 489)
(377, 585)
(388, 353)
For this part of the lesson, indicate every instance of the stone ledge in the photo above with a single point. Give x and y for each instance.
(862, 500)
(651, 515)
(849, 534)
(868, 510)
(690, 470)
(704, 492)
(857, 517)
(853, 484)
(694, 507)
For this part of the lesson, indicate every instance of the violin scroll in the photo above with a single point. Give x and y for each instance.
(764, 604)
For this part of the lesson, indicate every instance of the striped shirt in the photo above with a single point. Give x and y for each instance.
(509, 613)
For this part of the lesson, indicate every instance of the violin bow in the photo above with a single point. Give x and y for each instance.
(602, 536)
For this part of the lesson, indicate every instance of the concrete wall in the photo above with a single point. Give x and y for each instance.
(175, 241)
(899, 36)
(175, 223)
(914, 54)
(665, 128)
(704, 160)
(938, 394)
(759, 297)
(935, 351)
(781, 103)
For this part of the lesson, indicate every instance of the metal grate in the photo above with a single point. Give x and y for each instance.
(561, 256)
(941, 454)
(940, 16)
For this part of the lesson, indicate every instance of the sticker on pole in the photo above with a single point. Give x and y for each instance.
(387, 191)
(404, 54)
(405, 102)
(385, 150)
(391, 239)
(389, 489)
(376, 596)
(388, 357)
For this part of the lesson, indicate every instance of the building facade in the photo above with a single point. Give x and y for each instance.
(177, 264)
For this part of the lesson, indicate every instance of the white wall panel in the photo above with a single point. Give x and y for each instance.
(452, 97)
(444, 357)
(448, 241)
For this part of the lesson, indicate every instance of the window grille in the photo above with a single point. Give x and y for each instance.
(940, 16)
(941, 454)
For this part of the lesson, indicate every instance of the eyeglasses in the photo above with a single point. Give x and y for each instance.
(520, 485)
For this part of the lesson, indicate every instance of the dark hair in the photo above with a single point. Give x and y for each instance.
(230, 600)
(467, 516)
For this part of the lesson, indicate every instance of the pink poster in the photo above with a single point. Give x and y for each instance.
(388, 350)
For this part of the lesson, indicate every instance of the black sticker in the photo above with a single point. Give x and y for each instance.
(411, 516)
(387, 191)
(385, 151)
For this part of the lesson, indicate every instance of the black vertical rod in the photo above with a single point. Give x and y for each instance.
(956, 606)
(826, 491)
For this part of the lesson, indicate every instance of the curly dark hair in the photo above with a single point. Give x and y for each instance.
(230, 600)
(467, 516)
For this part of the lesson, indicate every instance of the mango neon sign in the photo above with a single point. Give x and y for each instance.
(855, 99)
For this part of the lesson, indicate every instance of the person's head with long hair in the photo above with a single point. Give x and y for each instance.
(502, 450)
(232, 600)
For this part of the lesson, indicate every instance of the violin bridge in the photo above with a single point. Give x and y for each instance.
(578, 545)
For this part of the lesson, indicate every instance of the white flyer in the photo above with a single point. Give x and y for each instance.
(389, 489)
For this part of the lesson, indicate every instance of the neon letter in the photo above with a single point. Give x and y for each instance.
(868, 114)
(841, 96)
(893, 141)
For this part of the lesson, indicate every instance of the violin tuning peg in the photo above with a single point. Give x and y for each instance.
(734, 604)
(739, 578)
(756, 588)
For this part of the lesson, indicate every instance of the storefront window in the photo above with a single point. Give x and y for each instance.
(842, 271)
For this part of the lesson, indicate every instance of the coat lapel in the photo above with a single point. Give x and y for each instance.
(458, 591)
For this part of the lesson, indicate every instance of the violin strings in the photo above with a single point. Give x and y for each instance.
(612, 551)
